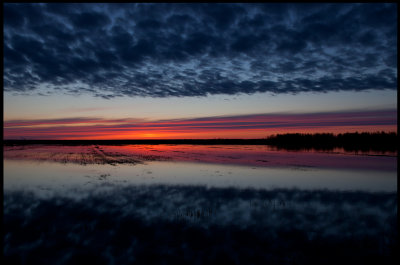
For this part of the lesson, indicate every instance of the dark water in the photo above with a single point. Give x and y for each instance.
(166, 204)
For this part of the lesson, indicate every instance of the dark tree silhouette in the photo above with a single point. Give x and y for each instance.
(378, 141)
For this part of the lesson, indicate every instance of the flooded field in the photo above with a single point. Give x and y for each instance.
(180, 204)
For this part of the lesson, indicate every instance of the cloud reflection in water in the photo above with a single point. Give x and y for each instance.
(183, 224)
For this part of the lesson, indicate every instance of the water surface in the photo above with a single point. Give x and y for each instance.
(177, 204)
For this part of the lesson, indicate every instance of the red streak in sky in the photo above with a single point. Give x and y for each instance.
(244, 126)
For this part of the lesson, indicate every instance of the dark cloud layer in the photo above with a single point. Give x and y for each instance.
(162, 50)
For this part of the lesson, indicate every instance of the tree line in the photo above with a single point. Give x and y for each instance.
(365, 141)
(377, 141)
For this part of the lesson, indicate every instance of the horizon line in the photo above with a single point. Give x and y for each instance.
(207, 139)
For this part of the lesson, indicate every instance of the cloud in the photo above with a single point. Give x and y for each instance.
(81, 127)
(163, 50)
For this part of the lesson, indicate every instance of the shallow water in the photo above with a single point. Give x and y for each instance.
(47, 177)
(62, 167)
(209, 204)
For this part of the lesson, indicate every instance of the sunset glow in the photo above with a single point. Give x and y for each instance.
(200, 133)
(105, 71)
(245, 126)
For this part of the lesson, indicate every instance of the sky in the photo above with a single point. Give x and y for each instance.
(163, 71)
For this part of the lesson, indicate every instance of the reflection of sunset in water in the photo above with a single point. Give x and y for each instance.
(251, 155)
(241, 193)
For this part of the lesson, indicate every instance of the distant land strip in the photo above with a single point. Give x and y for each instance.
(145, 141)
(381, 141)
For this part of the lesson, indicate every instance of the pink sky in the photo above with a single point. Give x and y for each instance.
(240, 126)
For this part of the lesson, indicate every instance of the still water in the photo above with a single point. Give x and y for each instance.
(62, 167)
(211, 204)
(43, 176)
